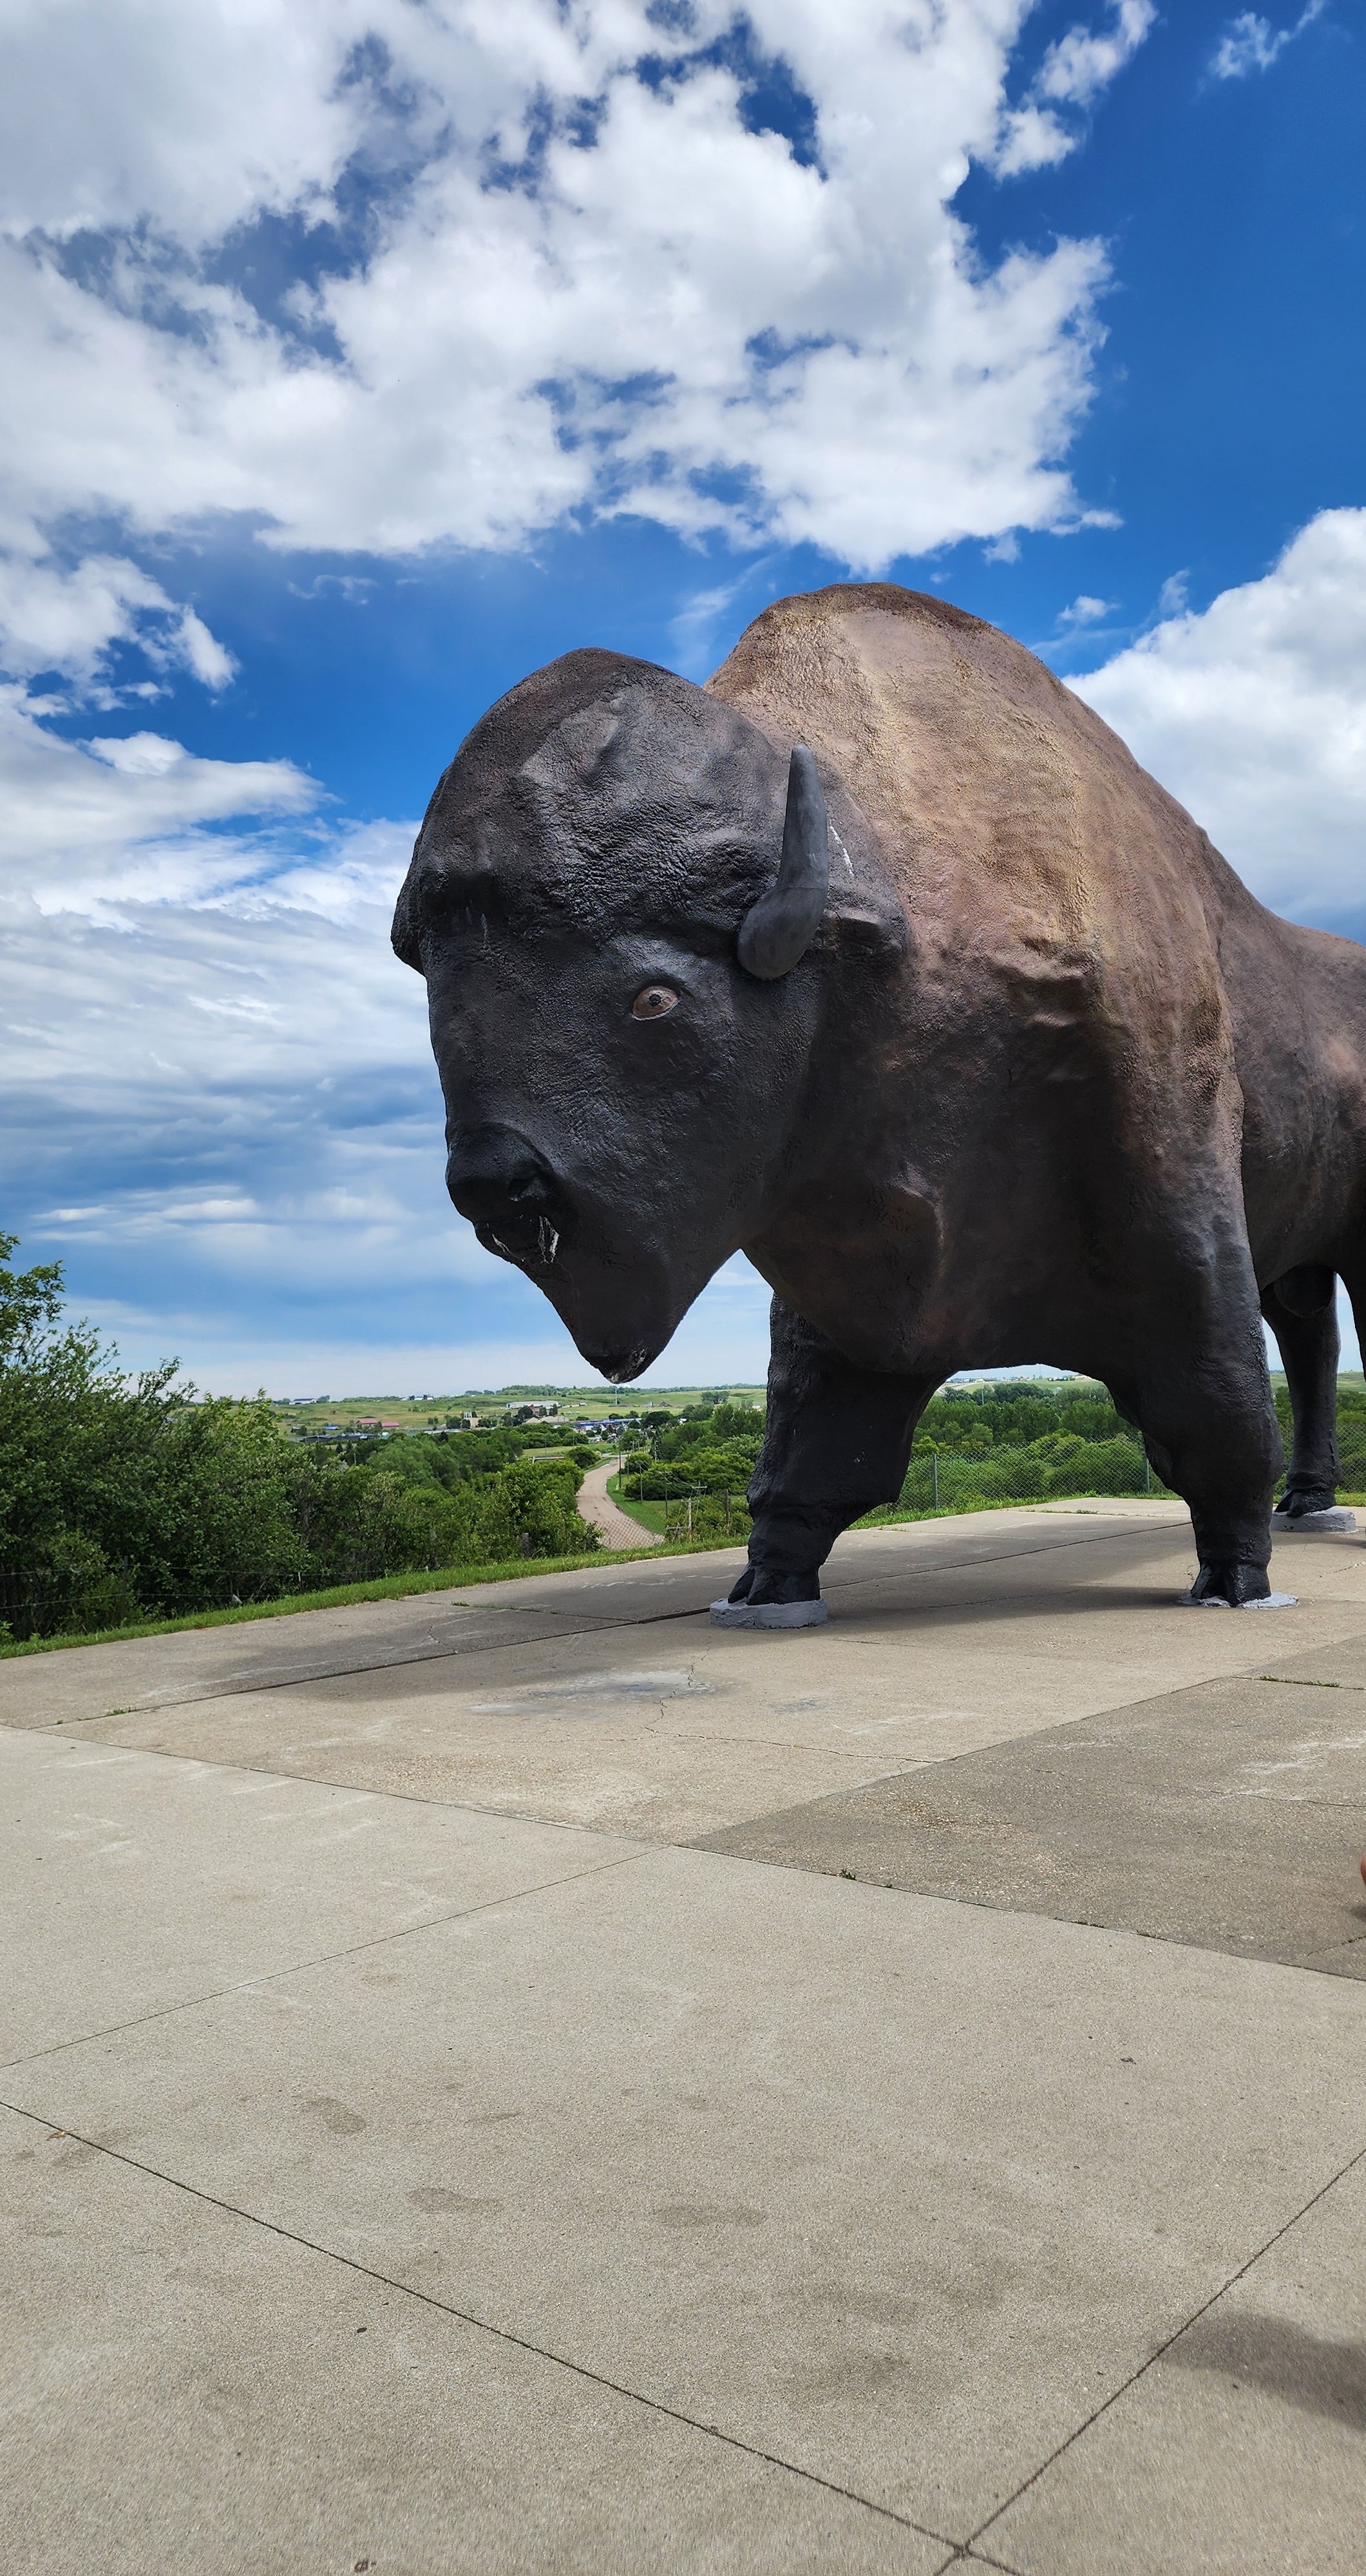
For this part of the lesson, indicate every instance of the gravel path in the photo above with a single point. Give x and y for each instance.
(597, 1507)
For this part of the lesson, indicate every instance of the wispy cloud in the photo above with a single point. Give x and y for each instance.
(81, 825)
(63, 619)
(1073, 73)
(1250, 43)
(693, 627)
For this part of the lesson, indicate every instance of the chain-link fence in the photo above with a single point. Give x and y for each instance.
(940, 1480)
(1352, 1453)
(947, 1481)
(706, 1518)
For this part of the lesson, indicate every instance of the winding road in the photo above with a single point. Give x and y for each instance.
(598, 1509)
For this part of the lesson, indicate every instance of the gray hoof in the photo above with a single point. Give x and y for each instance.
(1337, 1519)
(768, 1614)
(1211, 1601)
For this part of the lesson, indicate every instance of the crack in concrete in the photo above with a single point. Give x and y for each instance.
(486, 2325)
(326, 1958)
(234, 1687)
(1164, 2347)
(960, 2552)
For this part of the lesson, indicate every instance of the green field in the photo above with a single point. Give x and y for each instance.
(314, 1416)
(432, 1412)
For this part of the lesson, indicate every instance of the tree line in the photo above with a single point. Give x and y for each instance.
(1008, 1441)
(123, 1499)
(130, 1498)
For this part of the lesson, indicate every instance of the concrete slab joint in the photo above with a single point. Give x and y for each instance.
(551, 2083)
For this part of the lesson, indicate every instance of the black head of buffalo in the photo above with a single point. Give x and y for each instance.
(636, 916)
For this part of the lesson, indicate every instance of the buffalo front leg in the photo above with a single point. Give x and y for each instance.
(1203, 1404)
(1301, 1310)
(836, 1444)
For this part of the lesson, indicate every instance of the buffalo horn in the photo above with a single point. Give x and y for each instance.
(780, 927)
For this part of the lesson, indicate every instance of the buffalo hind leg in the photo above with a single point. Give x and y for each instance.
(1209, 1427)
(1352, 1272)
(1301, 1310)
(837, 1442)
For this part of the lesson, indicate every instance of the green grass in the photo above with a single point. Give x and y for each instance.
(649, 1515)
(388, 1587)
(460, 1578)
(892, 1515)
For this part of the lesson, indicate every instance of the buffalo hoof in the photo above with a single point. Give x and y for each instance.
(1331, 1517)
(1234, 1587)
(768, 1614)
(1298, 1502)
(769, 1600)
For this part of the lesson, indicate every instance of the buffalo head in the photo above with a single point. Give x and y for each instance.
(623, 903)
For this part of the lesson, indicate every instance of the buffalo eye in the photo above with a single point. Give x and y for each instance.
(653, 1001)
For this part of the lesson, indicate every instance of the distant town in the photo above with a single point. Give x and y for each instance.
(596, 1412)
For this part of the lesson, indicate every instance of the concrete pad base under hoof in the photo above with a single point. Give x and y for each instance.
(768, 1614)
(1211, 1601)
(1339, 1519)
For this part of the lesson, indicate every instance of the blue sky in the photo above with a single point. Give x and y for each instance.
(363, 357)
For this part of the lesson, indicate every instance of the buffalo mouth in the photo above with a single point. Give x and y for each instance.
(510, 1194)
(531, 1243)
(621, 1304)
(619, 1367)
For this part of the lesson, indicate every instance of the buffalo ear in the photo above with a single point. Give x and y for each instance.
(780, 927)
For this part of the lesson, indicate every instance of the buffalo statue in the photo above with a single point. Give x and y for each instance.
(880, 959)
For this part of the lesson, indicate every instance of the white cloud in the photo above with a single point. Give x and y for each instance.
(219, 1079)
(1253, 713)
(1080, 65)
(60, 618)
(81, 825)
(692, 630)
(1073, 73)
(138, 755)
(583, 280)
(1250, 44)
(1086, 611)
(119, 111)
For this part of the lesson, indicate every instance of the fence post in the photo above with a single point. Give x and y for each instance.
(1147, 1473)
(934, 1470)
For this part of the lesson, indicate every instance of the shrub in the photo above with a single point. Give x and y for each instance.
(120, 1499)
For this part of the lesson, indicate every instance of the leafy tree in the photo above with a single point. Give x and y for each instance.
(122, 1498)
(737, 1422)
(75, 1442)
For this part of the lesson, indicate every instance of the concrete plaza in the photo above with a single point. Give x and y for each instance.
(520, 2080)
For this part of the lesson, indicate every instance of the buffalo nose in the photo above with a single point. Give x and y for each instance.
(509, 1193)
